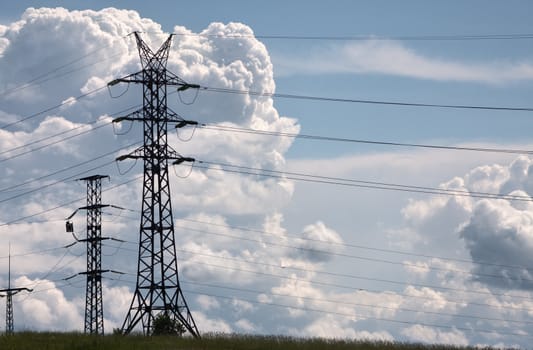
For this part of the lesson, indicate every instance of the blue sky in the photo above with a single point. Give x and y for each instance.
(425, 227)
(379, 18)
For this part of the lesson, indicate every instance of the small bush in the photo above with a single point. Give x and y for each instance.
(163, 324)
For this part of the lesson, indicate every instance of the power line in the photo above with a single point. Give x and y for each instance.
(457, 37)
(349, 303)
(350, 140)
(56, 182)
(349, 245)
(53, 143)
(37, 222)
(373, 260)
(453, 327)
(358, 246)
(341, 286)
(33, 142)
(244, 170)
(37, 291)
(327, 284)
(339, 244)
(256, 302)
(55, 268)
(363, 101)
(93, 122)
(46, 76)
(68, 101)
(64, 204)
(5, 189)
(38, 252)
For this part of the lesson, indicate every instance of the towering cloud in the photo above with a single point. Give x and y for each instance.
(241, 266)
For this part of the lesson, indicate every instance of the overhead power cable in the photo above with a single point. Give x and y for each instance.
(377, 260)
(50, 74)
(235, 129)
(57, 182)
(244, 170)
(345, 245)
(352, 245)
(341, 286)
(271, 303)
(37, 252)
(10, 222)
(329, 284)
(12, 187)
(350, 303)
(351, 316)
(55, 268)
(33, 142)
(456, 37)
(54, 142)
(67, 101)
(363, 101)
(331, 243)
(61, 133)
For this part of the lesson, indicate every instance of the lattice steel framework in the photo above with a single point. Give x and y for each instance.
(9, 299)
(157, 289)
(9, 314)
(94, 312)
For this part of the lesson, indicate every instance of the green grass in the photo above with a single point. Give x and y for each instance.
(76, 341)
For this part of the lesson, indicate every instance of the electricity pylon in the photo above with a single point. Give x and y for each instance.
(9, 301)
(157, 289)
(94, 313)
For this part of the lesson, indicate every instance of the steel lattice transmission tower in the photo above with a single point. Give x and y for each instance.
(157, 290)
(94, 312)
(9, 301)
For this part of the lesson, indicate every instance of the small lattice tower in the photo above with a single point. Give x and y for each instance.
(94, 312)
(9, 292)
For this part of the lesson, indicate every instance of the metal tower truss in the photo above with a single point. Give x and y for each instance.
(157, 289)
(94, 313)
(9, 292)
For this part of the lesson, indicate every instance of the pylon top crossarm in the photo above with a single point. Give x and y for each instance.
(131, 78)
(13, 291)
(154, 62)
(149, 59)
(93, 177)
(94, 206)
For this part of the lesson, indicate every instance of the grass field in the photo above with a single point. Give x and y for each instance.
(76, 341)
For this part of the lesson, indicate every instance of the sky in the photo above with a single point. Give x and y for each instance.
(336, 251)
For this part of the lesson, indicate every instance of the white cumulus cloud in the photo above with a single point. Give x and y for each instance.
(389, 57)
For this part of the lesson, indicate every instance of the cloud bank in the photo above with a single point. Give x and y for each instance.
(241, 267)
(386, 57)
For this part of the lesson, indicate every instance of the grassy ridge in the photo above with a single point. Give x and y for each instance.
(76, 341)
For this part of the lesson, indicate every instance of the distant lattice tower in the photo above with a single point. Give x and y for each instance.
(94, 311)
(9, 292)
(157, 289)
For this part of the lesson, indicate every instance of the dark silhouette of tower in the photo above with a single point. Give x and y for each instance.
(157, 289)
(94, 312)
(9, 301)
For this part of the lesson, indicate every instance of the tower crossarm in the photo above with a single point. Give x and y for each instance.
(170, 117)
(137, 115)
(94, 206)
(13, 291)
(170, 154)
(168, 79)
